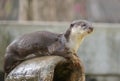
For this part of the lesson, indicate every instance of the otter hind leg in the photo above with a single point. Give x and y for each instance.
(10, 62)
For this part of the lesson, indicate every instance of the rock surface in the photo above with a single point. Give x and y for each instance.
(47, 68)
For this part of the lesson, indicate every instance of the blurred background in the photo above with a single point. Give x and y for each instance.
(100, 52)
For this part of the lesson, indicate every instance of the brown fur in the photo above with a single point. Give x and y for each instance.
(41, 43)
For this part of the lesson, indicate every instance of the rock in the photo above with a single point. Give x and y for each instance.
(47, 68)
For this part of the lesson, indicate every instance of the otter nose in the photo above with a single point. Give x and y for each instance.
(91, 28)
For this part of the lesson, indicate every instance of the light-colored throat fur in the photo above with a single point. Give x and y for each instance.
(74, 42)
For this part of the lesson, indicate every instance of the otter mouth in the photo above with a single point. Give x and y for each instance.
(90, 30)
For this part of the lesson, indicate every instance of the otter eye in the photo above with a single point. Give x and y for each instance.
(83, 25)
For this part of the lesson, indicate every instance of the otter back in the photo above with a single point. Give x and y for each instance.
(37, 43)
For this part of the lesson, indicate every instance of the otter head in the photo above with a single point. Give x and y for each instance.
(81, 27)
(75, 34)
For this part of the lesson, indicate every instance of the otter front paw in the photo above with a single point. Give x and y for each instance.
(75, 61)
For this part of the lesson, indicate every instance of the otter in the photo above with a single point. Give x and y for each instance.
(43, 43)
